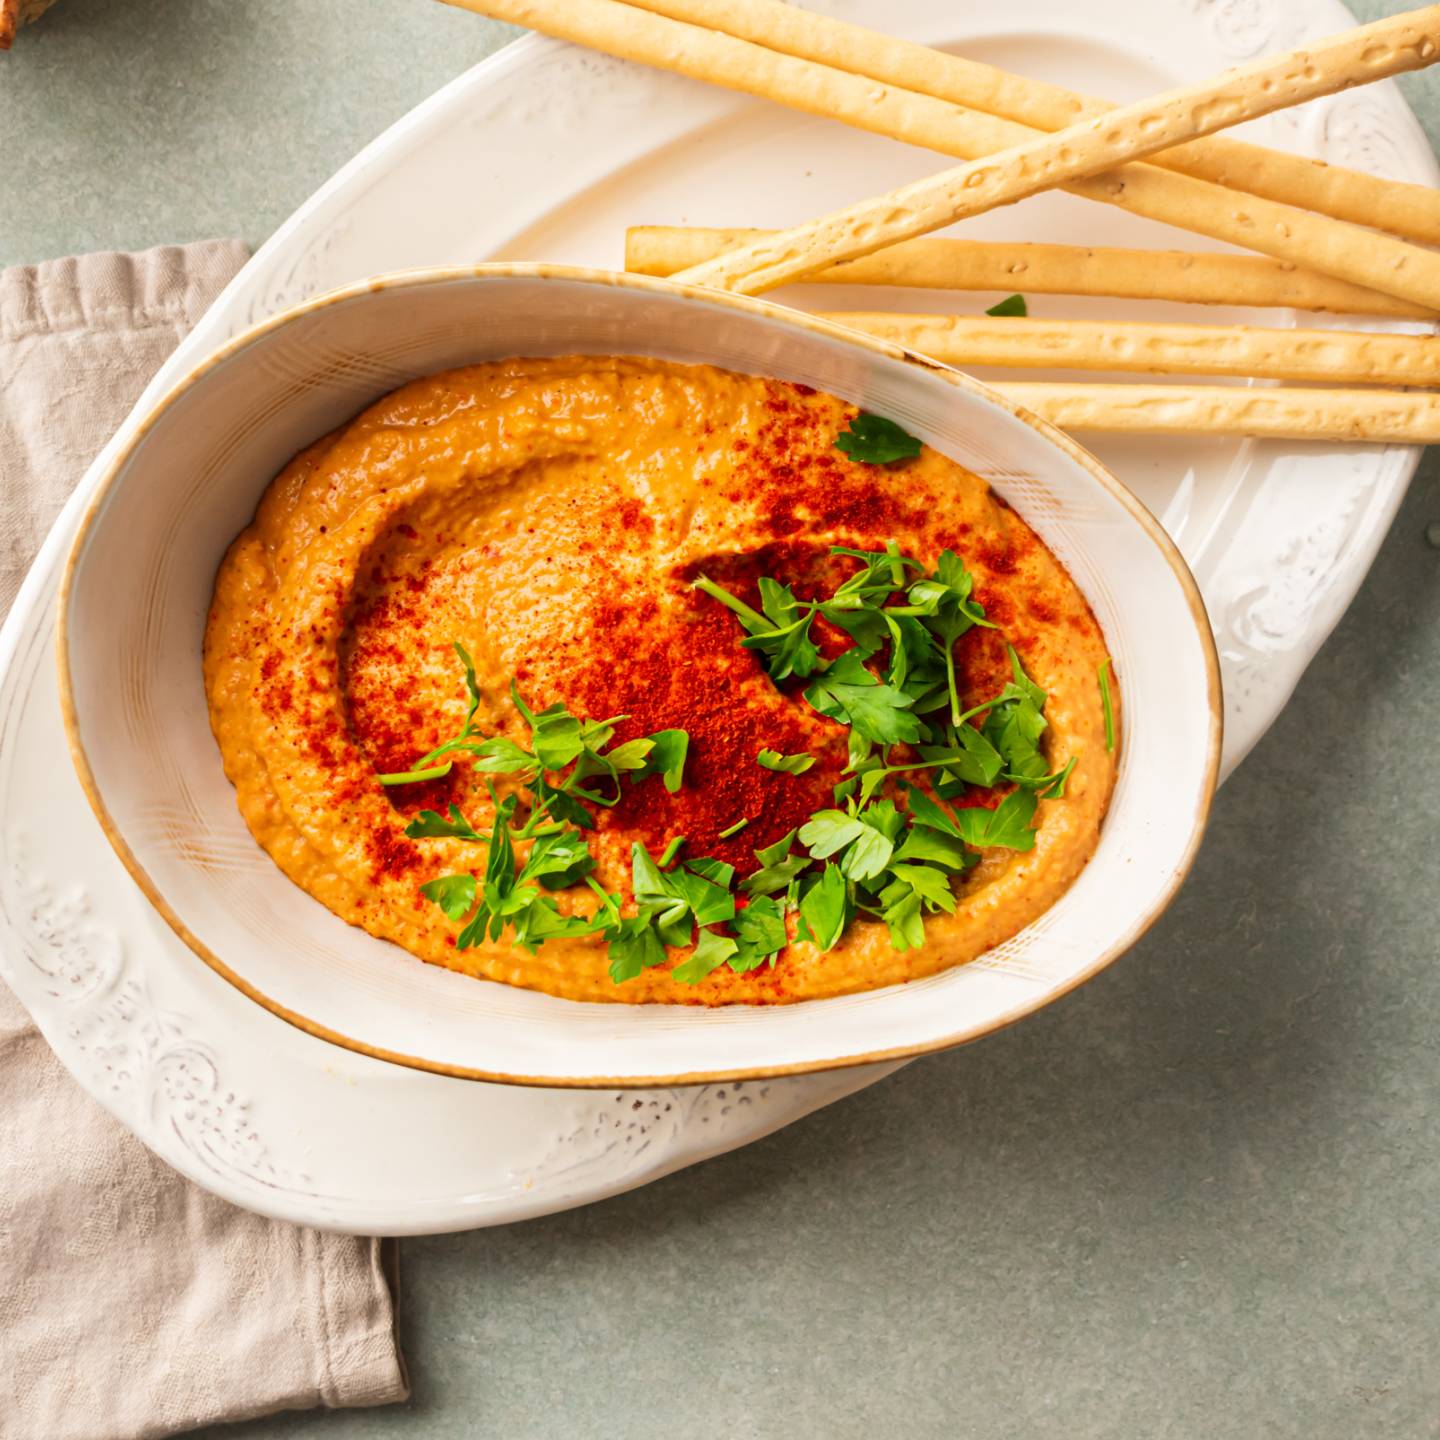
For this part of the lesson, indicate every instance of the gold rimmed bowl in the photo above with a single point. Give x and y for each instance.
(139, 582)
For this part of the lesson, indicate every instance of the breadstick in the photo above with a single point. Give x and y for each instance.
(1392, 416)
(1253, 223)
(1369, 52)
(1409, 210)
(944, 264)
(1339, 356)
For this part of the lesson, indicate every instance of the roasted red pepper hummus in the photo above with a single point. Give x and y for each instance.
(551, 515)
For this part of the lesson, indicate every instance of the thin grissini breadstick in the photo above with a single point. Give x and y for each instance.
(1278, 413)
(1282, 231)
(1370, 52)
(934, 263)
(1408, 210)
(1338, 356)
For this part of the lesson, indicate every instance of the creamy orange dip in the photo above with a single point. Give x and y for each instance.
(550, 515)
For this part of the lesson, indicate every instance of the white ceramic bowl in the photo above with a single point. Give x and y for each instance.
(139, 582)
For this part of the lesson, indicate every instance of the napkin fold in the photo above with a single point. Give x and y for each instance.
(133, 1303)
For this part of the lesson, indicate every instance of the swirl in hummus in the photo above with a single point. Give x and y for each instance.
(551, 515)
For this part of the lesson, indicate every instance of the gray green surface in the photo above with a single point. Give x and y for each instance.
(1197, 1198)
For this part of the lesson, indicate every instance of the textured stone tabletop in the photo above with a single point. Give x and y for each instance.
(1199, 1197)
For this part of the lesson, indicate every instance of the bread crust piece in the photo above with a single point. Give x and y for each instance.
(15, 13)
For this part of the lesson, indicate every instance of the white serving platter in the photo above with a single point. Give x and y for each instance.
(548, 152)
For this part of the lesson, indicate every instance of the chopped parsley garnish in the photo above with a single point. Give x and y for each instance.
(897, 685)
(894, 846)
(874, 440)
(1010, 305)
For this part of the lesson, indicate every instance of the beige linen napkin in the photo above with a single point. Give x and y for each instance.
(133, 1303)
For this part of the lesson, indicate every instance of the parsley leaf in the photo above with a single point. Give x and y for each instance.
(428, 824)
(540, 920)
(867, 838)
(658, 898)
(696, 894)
(502, 897)
(848, 692)
(774, 877)
(472, 687)
(933, 886)
(1050, 787)
(558, 860)
(1015, 724)
(912, 890)
(784, 764)
(936, 847)
(499, 756)
(777, 867)
(631, 755)
(874, 440)
(972, 760)
(717, 871)
(711, 951)
(706, 900)
(1007, 825)
(560, 804)
(634, 946)
(902, 916)
(928, 812)
(555, 735)
(869, 855)
(760, 931)
(1010, 305)
(786, 641)
(454, 894)
(667, 758)
(781, 634)
(827, 831)
(912, 651)
(825, 909)
(773, 854)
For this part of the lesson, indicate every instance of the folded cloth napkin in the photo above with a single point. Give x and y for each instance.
(133, 1303)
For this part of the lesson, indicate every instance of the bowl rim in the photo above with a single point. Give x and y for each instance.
(745, 304)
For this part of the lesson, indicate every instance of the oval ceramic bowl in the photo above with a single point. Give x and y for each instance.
(138, 587)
